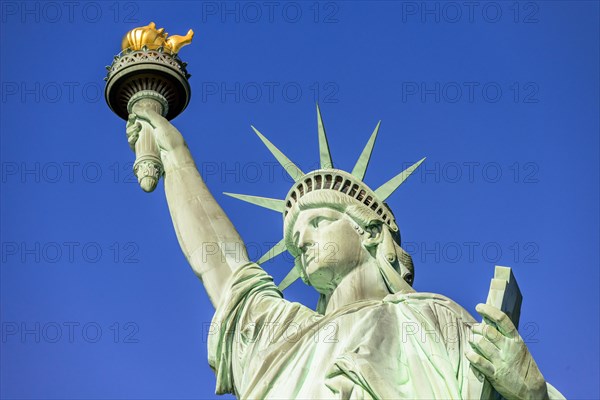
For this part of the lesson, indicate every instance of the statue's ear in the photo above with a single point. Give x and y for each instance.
(373, 234)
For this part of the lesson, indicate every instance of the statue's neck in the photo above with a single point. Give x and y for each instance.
(363, 283)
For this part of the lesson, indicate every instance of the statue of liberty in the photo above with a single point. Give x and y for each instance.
(372, 336)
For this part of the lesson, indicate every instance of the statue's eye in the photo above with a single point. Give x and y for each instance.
(320, 221)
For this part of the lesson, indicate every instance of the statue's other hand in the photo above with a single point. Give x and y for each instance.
(498, 352)
(167, 136)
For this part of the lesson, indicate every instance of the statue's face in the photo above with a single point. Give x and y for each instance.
(329, 246)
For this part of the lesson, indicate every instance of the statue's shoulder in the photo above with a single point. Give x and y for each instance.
(432, 301)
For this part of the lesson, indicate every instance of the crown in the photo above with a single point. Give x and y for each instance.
(342, 182)
(348, 184)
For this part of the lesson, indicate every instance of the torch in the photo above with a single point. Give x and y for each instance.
(148, 72)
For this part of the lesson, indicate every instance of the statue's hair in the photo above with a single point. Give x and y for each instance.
(389, 253)
(360, 213)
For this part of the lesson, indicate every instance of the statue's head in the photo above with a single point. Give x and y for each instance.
(334, 222)
(331, 229)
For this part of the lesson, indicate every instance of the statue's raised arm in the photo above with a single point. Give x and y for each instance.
(207, 237)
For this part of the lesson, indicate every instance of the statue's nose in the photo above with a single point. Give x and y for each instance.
(305, 242)
(304, 246)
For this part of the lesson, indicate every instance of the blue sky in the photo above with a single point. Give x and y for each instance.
(97, 300)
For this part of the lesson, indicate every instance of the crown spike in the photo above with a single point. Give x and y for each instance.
(324, 154)
(360, 168)
(385, 190)
(285, 162)
(290, 278)
(273, 252)
(271, 204)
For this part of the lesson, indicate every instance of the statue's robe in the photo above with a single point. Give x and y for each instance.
(406, 346)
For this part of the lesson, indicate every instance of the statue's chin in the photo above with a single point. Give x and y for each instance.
(323, 279)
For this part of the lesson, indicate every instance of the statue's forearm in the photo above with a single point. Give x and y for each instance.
(207, 237)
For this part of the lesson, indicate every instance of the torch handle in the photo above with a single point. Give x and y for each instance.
(148, 166)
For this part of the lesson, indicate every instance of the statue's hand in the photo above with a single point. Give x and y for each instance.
(167, 136)
(499, 353)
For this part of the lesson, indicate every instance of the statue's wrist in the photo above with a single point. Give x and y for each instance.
(177, 158)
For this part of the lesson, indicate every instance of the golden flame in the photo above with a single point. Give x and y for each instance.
(154, 38)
